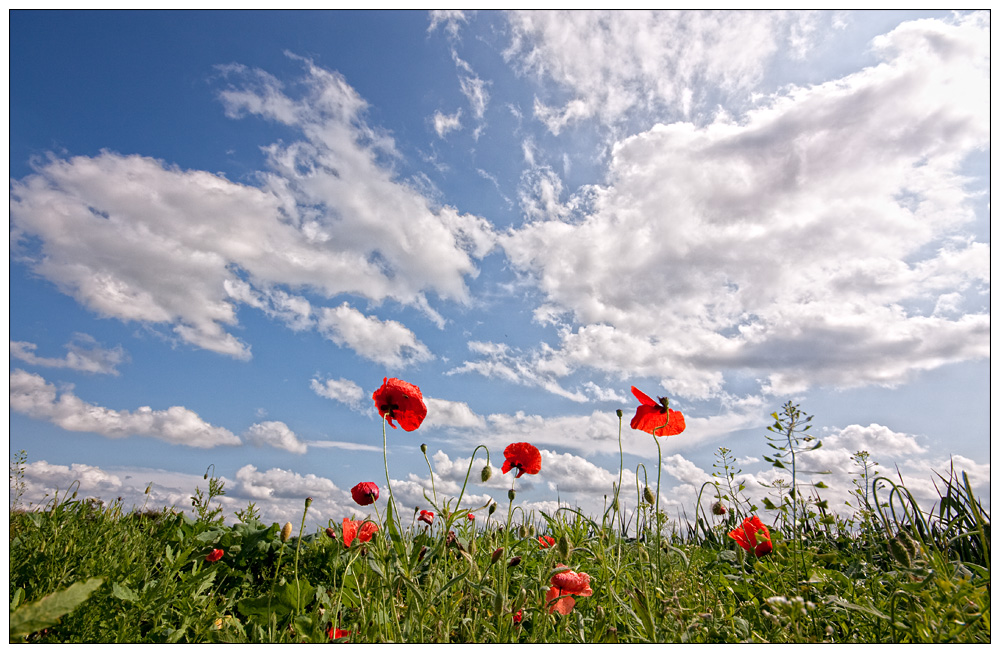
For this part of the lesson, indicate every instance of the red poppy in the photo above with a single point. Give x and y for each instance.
(522, 456)
(565, 584)
(365, 493)
(337, 633)
(518, 616)
(655, 418)
(546, 541)
(427, 517)
(746, 536)
(363, 531)
(472, 517)
(215, 555)
(718, 508)
(400, 401)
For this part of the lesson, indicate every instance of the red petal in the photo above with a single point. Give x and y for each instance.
(643, 397)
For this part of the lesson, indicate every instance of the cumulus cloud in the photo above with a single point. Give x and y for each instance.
(446, 123)
(137, 239)
(386, 342)
(343, 390)
(610, 64)
(442, 412)
(33, 396)
(800, 244)
(84, 355)
(274, 434)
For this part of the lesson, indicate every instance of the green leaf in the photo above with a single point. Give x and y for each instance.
(45, 612)
(124, 593)
(16, 599)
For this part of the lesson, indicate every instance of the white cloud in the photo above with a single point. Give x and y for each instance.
(446, 123)
(274, 434)
(279, 483)
(84, 355)
(611, 63)
(136, 239)
(386, 342)
(797, 244)
(343, 390)
(31, 395)
(452, 20)
(442, 412)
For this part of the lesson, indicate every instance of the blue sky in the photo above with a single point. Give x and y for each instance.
(228, 227)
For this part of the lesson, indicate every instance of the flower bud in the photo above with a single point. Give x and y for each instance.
(496, 555)
(309, 501)
(619, 412)
(718, 508)
(423, 448)
(616, 505)
(647, 495)
(511, 494)
(332, 534)
(563, 546)
(486, 473)
(286, 531)
(493, 507)
(515, 561)
(522, 531)
(531, 530)
(899, 552)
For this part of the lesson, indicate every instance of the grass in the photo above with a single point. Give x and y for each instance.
(893, 571)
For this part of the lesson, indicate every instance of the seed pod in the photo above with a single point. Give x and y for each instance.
(647, 495)
(486, 473)
(286, 531)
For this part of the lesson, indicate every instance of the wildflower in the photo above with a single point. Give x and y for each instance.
(518, 616)
(545, 541)
(427, 517)
(656, 418)
(286, 531)
(363, 531)
(365, 494)
(215, 555)
(746, 536)
(400, 401)
(471, 517)
(336, 633)
(523, 457)
(718, 508)
(565, 584)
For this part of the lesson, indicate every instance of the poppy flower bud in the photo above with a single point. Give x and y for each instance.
(496, 555)
(486, 473)
(563, 546)
(498, 603)
(515, 561)
(286, 531)
(493, 507)
(309, 501)
(423, 448)
(511, 494)
(899, 552)
(618, 412)
(332, 534)
(718, 508)
(522, 531)
(647, 495)
(423, 552)
(616, 505)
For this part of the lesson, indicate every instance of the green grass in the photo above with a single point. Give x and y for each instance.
(891, 572)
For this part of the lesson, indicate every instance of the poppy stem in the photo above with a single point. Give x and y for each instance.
(385, 459)
(431, 470)
(469, 471)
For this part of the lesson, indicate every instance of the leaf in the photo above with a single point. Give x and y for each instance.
(124, 593)
(839, 602)
(45, 612)
(16, 599)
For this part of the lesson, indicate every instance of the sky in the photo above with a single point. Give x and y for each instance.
(226, 228)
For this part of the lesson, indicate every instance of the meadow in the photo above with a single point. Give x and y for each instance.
(790, 570)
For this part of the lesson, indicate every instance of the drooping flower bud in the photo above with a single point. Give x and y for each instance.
(563, 546)
(332, 534)
(515, 561)
(718, 508)
(493, 507)
(522, 531)
(486, 473)
(286, 531)
(900, 552)
(647, 495)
